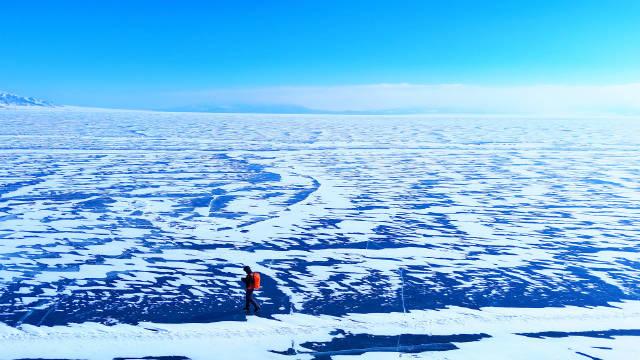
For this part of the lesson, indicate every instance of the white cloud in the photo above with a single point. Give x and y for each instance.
(623, 98)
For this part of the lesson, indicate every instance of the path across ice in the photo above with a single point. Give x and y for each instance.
(200, 341)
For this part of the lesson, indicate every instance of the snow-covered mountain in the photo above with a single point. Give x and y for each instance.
(8, 99)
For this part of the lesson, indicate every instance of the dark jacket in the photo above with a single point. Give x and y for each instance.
(248, 281)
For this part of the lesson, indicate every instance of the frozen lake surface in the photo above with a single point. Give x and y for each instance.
(123, 234)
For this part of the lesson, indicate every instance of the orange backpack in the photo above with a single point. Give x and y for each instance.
(256, 280)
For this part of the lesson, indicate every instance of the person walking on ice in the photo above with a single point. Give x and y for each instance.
(251, 283)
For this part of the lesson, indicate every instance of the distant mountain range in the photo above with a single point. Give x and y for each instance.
(292, 109)
(8, 99)
(242, 108)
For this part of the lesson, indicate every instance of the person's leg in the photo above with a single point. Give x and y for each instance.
(248, 295)
(256, 307)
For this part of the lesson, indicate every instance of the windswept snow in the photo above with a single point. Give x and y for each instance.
(131, 228)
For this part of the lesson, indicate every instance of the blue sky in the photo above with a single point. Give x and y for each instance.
(150, 54)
